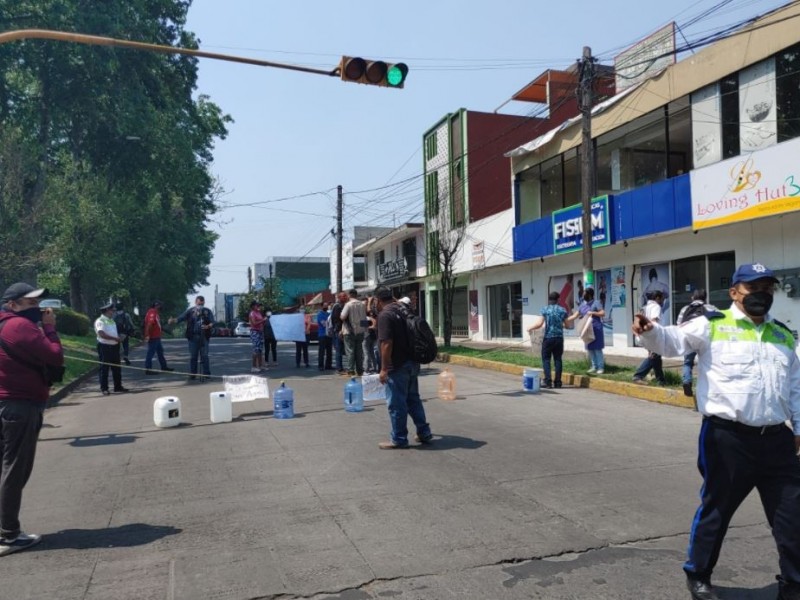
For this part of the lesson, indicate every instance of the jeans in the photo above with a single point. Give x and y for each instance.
(20, 423)
(368, 348)
(324, 357)
(301, 348)
(108, 354)
(355, 352)
(688, 363)
(338, 345)
(596, 359)
(552, 347)
(653, 361)
(270, 344)
(154, 347)
(126, 346)
(198, 347)
(402, 397)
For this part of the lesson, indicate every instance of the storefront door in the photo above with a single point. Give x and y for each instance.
(505, 310)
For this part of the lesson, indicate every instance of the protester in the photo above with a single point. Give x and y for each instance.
(652, 311)
(338, 335)
(152, 337)
(199, 323)
(324, 341)
(748, 388)
(591, 308)
(256, 320)
(400, 374)
(370, 335)
(694, 309)
(108, 347)
(125, 329)
(301, 348)
(354, 324)
(554, 317)
(270, 341)
(25, 349)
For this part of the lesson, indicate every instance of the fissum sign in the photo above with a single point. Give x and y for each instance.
(568, 227)
(751, 186)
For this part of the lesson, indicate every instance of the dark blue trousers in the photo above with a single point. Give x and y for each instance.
(733, 460)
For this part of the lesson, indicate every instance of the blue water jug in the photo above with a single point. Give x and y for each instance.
(353, 396)
(283, 402)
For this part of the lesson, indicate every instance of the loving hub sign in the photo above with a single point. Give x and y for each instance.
(751, 186)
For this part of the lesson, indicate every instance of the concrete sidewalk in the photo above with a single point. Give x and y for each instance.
(565, 494)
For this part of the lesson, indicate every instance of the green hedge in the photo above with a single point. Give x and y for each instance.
(70, 322)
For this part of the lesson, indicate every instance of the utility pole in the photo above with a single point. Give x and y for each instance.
(339, 205)
(588, 178)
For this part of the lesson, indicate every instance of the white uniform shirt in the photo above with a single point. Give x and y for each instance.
(106, 324)
(753, 382)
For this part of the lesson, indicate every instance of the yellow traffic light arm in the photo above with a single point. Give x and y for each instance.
(80, 38)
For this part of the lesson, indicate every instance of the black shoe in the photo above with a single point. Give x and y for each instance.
(127, 362)
(558, 385)
(548, 385)
(700, 589)
(167, 369)
(192, 377)
(687, 390)
(121, 390)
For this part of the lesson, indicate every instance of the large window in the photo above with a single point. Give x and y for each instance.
(787, 88)
(729, 113)
(505, 310)
(711, 272)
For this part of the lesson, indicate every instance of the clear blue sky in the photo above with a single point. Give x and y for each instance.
(297, 133)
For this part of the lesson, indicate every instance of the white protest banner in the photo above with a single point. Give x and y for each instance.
(246, 388)
(373, 388)
(289, 328)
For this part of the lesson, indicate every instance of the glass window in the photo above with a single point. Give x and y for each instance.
(720, 270)
(680, 137)
(729, 113)
(529, 195)
(787, 79)
(552, 186)
(572, 178)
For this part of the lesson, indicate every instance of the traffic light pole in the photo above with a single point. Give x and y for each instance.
(339, 206)
(588, 178)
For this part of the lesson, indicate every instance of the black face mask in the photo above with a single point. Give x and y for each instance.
(33, 314)
(757, 304)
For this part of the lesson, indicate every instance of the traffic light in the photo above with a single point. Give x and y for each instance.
(373, 72)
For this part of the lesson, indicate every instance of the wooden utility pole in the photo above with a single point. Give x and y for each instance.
(339, 206)
(588, 178)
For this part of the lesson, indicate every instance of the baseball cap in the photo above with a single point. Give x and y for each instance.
(106, 306)
(751, 272)
(23, 290)
(405, 300)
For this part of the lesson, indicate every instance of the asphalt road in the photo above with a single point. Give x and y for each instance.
(564, 494)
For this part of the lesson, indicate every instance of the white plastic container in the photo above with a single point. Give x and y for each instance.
(221, 407)
(167, 411)
(531, 381)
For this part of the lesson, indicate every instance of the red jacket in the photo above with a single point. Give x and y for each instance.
(152, 324)
(18, 381)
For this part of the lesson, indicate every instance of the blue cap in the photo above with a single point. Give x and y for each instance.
(747, 273)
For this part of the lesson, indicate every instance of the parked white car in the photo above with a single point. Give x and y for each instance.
(242, 329)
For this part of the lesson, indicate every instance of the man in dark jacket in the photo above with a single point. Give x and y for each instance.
(199, 323)
(25, 349)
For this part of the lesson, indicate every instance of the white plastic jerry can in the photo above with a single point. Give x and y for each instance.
(221, 407)
(167, 411)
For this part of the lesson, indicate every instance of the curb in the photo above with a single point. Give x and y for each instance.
(622, 388)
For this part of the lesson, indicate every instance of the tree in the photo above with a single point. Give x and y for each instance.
(448, 249)
(117, 136)
(268, 295)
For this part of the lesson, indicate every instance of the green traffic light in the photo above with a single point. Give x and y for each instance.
(396, 74)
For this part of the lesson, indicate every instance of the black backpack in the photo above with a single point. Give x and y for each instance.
(421, 340)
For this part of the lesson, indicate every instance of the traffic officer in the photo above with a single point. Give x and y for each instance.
(748, 388)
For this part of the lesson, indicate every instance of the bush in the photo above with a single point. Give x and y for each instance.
(70, 322)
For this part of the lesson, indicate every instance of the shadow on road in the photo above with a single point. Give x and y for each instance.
(736, 593)
(103, 440)
(451, 442)
(124, 536)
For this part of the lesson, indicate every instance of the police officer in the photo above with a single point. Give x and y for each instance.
(748, 388)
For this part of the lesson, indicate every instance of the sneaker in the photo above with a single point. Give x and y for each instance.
(23, 541)
(423, 439)
(255, 370)
(600, 371)
(127, 362)
(121, 390)
(168, 369)
(687, 390)
(638, 381)
(592, 371)
(391, 446)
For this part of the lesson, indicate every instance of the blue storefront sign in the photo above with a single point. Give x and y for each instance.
(568, 227)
